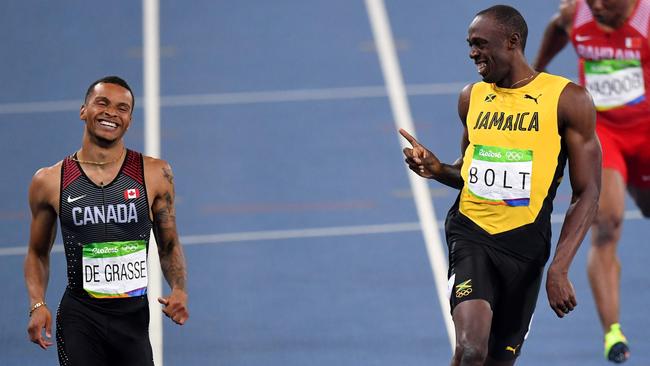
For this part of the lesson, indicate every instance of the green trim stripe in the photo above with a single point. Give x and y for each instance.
(113, 249)
(604, 67)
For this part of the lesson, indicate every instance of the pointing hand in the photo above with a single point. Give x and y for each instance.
(419, 159)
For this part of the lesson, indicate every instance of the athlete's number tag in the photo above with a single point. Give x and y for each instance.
(501, 176)
(115, 269)
(614, 83)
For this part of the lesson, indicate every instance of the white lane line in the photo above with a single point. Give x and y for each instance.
(266, 235)
(324, 232)
(402, 115)
(271, 96)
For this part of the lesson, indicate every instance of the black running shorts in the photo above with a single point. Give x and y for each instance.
(480, 269)
(88, 333)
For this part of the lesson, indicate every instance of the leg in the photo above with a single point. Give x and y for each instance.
(472, 321)
(512, 318)
(603, 265)
(79, 340)
(129, 343)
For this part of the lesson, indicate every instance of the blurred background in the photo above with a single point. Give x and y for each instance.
(293, 203)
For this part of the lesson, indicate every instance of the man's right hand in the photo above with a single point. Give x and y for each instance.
(41, 318)
(419, 159)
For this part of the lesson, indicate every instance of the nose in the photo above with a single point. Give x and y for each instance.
(473, 53)
(111, 110)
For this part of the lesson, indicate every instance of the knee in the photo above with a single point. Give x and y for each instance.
(470, 354)
(606, 228)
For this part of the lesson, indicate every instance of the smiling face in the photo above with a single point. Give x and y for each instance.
(107, 112)
(489, 48)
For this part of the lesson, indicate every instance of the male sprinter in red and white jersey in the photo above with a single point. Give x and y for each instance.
(107, 199)
(610, 38)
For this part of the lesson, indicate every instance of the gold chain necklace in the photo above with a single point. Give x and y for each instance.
(522, 80)
(99, 163)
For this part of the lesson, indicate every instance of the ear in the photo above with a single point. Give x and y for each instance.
(82, 112)
(514, 41)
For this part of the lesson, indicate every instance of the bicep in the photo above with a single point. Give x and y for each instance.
(43, 217)
(579, 120)
(584, 159)
(163, 206)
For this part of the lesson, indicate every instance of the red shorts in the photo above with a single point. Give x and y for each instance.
(627, 150)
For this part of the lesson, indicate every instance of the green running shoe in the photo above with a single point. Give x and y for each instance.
(616, 349)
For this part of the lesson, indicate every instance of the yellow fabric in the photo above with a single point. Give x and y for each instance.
(526, 121)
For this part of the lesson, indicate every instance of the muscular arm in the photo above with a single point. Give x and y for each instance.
(556, 35)
(424, 163)
(170, 251)
(578, 117)
(172, 260)
(37, 261)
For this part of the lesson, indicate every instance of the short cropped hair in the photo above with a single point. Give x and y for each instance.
(510, 19)
(111, 80)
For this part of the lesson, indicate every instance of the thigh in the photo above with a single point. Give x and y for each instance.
(471, 274)
(513, 313)
(129, 339)
(638, 156)
(611, 203)
(472, 322)
(79, 338)
(613, 155)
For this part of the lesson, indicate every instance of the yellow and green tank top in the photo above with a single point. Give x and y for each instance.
(515, 159)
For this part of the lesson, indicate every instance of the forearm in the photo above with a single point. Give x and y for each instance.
(172, 263)
(577, 222)
(37, 273)
(449, 175)
(554, 40)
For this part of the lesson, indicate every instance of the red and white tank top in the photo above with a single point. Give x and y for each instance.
(615, 66)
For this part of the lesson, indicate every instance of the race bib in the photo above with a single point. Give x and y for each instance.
(501, 176)
(614, 83)
(115, 269)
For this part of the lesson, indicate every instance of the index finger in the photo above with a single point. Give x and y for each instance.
(409, 138)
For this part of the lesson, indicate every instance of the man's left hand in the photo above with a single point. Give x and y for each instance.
(175, 306)
(561, 295)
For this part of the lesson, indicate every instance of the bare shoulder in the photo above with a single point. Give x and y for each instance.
(463, 102)
(45, 184)
(151, 163)
(575, 95)
(576, 108)
(158, 173)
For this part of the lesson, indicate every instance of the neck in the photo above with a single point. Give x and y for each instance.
(93, 154)
(520, 74)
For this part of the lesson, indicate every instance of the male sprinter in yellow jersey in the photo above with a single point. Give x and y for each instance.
(520, 128)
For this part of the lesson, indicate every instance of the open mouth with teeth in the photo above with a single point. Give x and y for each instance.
(108, 124)
(481, 67)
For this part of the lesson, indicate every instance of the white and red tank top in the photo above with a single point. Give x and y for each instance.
(615, 66)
